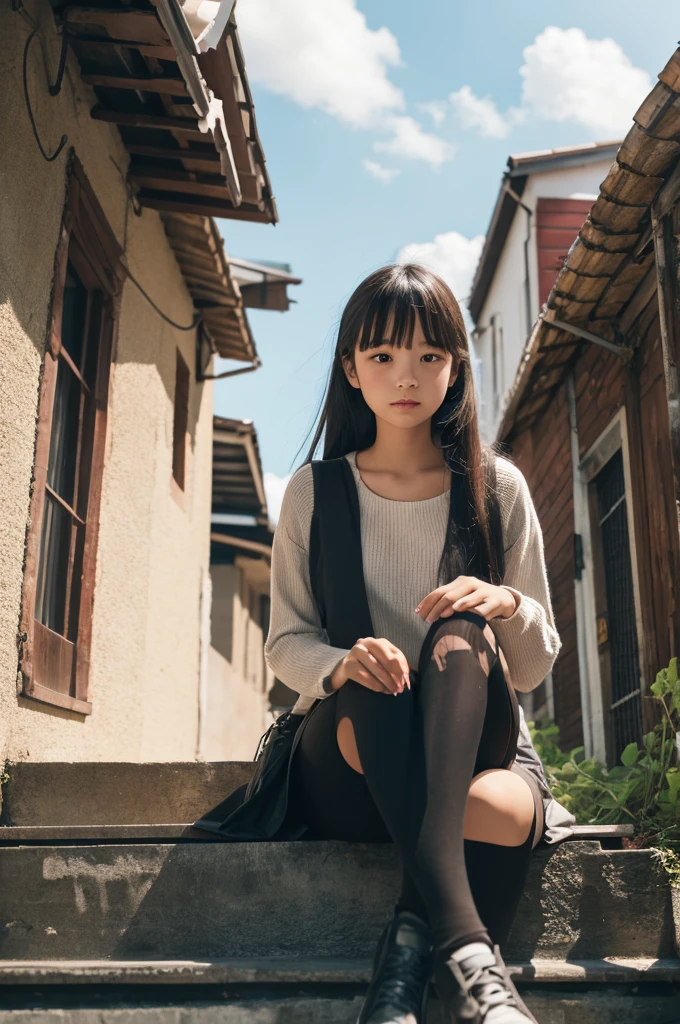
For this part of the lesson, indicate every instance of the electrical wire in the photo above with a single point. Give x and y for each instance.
(180, 327)
(29, 110)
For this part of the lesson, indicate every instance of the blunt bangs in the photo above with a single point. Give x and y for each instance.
(390, 316)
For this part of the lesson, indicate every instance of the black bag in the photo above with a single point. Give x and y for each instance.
(257, 811)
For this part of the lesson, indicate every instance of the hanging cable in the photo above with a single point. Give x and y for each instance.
(180, 327)
(29, 110)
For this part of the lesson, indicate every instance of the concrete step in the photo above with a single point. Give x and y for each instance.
(312, 1003)
(312, 970)
(106, 800)
(210, 899)
(116, 793)
(47, 834)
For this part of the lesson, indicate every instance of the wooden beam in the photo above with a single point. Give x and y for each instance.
(145, 49)
(177, 203)
(667, 290)
(169, 86)
(208, 161)
(160, 178)
(134, 120)
(143, 26)
(668, 196)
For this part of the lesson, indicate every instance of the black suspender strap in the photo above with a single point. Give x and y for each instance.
(336, 566)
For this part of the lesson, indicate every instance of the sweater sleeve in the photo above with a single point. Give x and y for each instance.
(297, 648)
(528, 637)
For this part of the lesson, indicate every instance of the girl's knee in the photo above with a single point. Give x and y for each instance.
(459, 634)
(500, 808)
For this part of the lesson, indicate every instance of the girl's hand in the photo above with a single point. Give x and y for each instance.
(376, 664)
(467, 593)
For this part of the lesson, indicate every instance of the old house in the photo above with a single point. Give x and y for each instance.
(592, 419)
(543, 200)
(240, 697)
(125, 130)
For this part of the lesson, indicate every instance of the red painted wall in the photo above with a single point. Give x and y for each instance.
(557, 225)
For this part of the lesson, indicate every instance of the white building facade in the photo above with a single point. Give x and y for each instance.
(543, 200)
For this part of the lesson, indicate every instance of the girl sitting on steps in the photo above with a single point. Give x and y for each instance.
(409, 563)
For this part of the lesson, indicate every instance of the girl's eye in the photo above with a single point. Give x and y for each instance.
(431, 357)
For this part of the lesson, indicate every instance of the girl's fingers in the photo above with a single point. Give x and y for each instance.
(370, 682)
(390, 658)
(373, 666)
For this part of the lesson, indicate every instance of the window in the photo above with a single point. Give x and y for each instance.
(617, 630)
(616, 664)
(180, 421)
(62, 540)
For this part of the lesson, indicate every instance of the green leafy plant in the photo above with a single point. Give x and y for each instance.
(643, 790)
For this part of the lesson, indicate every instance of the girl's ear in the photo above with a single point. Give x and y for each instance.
(350, 372)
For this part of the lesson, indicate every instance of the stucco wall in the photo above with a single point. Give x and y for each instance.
(237, 707)
(153, 553)
(506, 294)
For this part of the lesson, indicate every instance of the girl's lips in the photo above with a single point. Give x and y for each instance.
(406, 405)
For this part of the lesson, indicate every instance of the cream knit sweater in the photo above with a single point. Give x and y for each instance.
(402, 543)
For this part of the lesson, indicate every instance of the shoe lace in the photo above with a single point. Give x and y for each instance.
(487, 985)
(403, 975)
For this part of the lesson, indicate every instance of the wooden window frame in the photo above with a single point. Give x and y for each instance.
(180, 421)
(88, 243)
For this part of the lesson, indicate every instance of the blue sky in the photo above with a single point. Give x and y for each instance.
(430, 98)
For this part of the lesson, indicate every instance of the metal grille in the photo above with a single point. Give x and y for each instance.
(625, 709)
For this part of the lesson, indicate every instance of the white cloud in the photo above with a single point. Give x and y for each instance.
(274, 487)
(481, 112)
(568, 77)
(436, 109)
(322, 55)
(411, 141)
(451, 255)
(384, 174)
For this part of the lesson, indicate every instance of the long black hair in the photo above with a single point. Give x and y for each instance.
(473, 544)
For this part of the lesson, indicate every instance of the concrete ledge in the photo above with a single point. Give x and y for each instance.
(329, 971)
(47, 834)
(102, 793)
(203, 901)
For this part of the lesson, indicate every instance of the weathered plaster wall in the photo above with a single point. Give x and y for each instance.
(237, 708)
(153, 549)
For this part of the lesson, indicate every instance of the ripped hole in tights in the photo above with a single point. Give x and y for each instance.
(462, 635)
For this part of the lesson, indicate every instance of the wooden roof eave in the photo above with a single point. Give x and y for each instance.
(127, 56)
(207, 105)
(199, 251)
(609, 262)
(222, 65)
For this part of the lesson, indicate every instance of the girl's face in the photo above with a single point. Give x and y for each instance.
(403, 386)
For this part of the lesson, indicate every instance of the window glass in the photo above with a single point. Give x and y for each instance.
(74, 315)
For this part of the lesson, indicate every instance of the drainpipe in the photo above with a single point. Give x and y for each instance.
(527, 283)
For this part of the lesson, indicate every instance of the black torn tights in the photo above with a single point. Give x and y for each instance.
(419, 752)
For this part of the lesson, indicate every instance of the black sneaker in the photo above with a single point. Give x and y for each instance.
(399, 987)
(474, 987)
